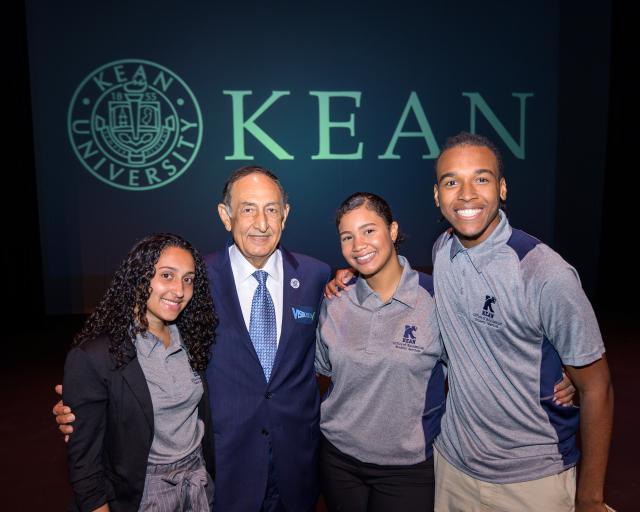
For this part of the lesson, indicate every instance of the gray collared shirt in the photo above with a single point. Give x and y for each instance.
(381, 357)
(175, 393)
(511, 312)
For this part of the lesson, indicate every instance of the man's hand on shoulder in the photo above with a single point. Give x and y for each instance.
(64, 416)
(339, 282)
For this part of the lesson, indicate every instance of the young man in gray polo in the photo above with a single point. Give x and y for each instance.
(511, 312)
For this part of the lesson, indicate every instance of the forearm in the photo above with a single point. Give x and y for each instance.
(596, 421)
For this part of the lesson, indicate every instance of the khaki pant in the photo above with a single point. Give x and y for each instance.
(458, 492)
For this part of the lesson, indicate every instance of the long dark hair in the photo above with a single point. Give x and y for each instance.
(122, 312)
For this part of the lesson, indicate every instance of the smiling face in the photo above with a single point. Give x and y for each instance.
(171, 287)
(257, 217)
(468, 192)
(367, 241)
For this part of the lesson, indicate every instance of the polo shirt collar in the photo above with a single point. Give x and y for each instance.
(482, 254)
(405, 292)
(147, 342)
(363, 290)
(244, 270)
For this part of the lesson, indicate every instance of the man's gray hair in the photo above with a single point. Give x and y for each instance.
(246, 171)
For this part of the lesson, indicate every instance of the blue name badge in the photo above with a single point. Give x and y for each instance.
(303, 314)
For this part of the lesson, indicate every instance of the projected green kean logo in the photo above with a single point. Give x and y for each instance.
(135, 125)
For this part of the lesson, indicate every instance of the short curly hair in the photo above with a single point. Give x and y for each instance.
(471, 139)
(121, 314)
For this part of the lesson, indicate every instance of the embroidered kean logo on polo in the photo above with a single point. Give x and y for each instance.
(409, 340)
(409, 337)
(488, 315)
(487, 310)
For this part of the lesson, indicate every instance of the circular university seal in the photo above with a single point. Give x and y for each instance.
(134, 124)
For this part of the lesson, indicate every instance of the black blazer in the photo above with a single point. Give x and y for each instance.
(113, 430)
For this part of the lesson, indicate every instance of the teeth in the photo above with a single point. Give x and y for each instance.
(469, 212)
(170, 301)
(365, 258)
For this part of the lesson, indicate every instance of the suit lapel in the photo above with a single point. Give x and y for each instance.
(292, 284)
(134, 376)
(228, 304)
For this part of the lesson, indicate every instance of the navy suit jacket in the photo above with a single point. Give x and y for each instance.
(249, 413)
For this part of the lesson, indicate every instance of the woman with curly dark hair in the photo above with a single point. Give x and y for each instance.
(134, 379)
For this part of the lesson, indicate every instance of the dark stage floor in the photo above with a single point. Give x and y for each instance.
(34, 475)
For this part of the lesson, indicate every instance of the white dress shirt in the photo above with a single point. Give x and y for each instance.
(246, 284)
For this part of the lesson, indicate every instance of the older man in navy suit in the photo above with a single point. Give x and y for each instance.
(264, 396)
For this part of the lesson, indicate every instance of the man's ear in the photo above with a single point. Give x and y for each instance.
(436, 198)
(223, 213)
(503, 190)
(285, 214)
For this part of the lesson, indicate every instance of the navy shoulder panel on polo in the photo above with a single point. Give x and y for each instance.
(426, 281)
(522, 242)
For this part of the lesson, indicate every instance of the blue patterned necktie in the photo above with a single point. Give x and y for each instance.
(262, 325)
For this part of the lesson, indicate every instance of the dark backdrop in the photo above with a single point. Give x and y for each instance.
(590, 156)
(352, 95)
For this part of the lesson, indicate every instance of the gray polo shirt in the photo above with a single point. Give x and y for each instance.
(175, 393)
(386, 395)
(511, 312)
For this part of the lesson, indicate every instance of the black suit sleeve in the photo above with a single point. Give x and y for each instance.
(86, 392)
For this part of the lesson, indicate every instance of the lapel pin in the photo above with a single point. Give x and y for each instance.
(294, 283)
